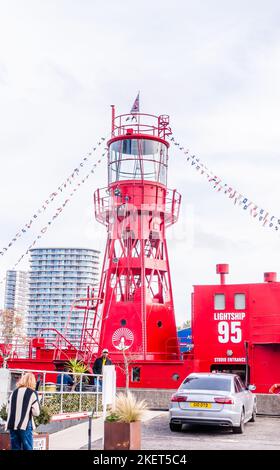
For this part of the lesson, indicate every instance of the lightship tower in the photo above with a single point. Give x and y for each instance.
(137, 310)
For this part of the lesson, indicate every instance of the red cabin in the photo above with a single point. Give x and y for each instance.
(236, 328)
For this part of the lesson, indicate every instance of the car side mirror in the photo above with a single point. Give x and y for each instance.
(251, 387)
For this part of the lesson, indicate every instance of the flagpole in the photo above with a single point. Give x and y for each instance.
(113, 118)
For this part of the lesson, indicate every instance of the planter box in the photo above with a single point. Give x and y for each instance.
(5, 440)
(40, 441)
(122, 436)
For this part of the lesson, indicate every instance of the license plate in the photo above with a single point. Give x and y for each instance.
(198, 404)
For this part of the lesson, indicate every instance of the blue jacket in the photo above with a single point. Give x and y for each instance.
(67, 379)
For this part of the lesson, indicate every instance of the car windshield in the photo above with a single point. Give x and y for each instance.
(206, 383)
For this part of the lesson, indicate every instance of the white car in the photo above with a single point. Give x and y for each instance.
(213, 399)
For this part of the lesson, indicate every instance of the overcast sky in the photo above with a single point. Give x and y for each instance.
(213, 66)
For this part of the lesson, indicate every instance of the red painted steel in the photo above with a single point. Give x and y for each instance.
(229, 338)
(270, 277)
(222, 269)
(136, 207)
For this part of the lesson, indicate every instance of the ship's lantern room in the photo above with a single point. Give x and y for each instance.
(138, 159)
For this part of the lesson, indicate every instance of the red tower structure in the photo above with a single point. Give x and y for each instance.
(137, 312)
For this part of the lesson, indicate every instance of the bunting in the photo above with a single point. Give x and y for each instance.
(52, 196)
(264, 217)
(57, 213)
(239, 199)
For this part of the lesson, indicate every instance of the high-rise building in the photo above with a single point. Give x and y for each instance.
(16, 302)
(58, 276)
(16, 290)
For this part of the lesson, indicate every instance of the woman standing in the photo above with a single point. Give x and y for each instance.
(22, 406)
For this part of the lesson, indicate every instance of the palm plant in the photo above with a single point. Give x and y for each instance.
(77, 368)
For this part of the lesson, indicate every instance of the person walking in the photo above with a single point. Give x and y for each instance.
(23, 404)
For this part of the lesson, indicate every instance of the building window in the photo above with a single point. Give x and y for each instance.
(135, 374)
(239, 301)
(219, 301)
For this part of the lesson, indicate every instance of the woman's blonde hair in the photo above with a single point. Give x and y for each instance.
(27, 380)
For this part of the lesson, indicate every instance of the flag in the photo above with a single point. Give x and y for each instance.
(135, 108)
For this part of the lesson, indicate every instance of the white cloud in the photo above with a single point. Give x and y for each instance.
(213, 66)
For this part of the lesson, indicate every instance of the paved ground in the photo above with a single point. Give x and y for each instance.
(76, 437)
(261, 435)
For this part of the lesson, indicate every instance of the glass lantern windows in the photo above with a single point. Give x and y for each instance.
(143, 159)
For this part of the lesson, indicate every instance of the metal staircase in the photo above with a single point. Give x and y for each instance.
(87, 345)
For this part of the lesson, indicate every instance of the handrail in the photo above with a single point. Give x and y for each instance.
(62, 392)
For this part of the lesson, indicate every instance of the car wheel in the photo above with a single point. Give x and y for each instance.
(240, 429)
(254, 414)
(175, 427)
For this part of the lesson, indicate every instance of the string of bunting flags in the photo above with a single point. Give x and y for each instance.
(261, 215)
(239, 199)
(58, 212)
(52, 196)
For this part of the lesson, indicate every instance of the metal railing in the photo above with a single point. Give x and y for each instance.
(141, 123)
(106, 207)
(67, 395)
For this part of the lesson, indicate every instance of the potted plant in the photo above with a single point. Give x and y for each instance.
(122, 426)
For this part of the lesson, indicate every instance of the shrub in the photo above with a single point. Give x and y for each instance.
(71, 403)
(112, 417)
(4, 412)
(44, 416)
